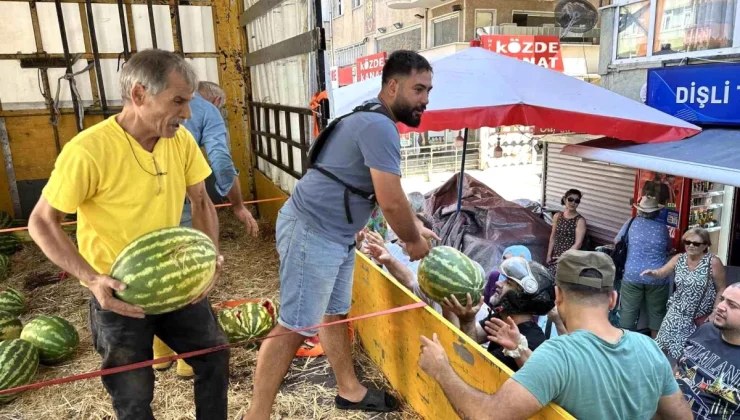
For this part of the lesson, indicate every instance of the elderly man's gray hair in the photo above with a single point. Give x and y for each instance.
(211, 91)
(151, 69)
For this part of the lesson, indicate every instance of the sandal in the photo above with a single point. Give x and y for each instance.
(375, 401)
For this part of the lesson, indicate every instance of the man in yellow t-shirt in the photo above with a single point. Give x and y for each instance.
(125, 177)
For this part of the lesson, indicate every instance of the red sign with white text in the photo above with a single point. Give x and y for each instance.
(543, 50)
(345, 76)
(370, 66)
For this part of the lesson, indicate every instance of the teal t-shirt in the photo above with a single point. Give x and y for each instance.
(593, 379)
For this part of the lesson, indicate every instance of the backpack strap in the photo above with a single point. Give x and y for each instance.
(321, 140)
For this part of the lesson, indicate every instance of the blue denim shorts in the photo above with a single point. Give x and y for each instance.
(315, 274)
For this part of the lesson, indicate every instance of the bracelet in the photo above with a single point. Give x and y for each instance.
(517, 352)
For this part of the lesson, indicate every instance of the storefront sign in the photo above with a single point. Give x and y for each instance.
(346, 75)
(543, 51)
(334, 76)
(370, 66)
(705, 94)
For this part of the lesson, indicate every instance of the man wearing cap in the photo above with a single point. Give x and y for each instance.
(596, 371)
(527, 289)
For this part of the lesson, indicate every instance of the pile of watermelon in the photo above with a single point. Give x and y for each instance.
(9, 244)
(45, 339)
(446, 271)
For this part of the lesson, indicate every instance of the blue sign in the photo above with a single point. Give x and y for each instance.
(701, 94)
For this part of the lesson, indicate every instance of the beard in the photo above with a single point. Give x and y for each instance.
(404, 112)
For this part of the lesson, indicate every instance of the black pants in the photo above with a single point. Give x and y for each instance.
(122, 340)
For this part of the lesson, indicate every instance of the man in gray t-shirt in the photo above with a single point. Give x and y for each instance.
(358, 161)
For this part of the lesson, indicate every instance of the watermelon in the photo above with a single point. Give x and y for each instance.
(9, 244)
(54, 337)
(4, 266)
(247, 321)
(12, 301)
(19, 360)
(166, 269)
(6, 221)
(446, 271)
(10, 326)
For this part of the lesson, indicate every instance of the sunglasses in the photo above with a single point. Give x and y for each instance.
(574, 200)
(692, 243)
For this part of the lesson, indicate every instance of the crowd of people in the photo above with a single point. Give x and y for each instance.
(548, 322)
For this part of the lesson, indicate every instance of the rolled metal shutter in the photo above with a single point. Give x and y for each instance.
(607, 190)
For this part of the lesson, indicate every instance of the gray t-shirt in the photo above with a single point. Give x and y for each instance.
(359, 142)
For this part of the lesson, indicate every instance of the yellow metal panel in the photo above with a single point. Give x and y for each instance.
(234, 78)
(392, 342)
(267, 189)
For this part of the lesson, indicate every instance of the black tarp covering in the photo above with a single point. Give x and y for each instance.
(487, 223)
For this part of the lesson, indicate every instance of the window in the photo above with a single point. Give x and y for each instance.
(356, 3)
(445, 30)
(534, 18)
(406, 40)
(632, 31)
(693, 25)
(683, 28)
(485, 20)
(337, 9)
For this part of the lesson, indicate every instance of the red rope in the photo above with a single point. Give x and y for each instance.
(139, 365)
(264, 200)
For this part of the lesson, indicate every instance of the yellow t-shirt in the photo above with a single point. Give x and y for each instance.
(98, 176)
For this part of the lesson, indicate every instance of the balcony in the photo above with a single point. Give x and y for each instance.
(589, 37)
(414, 4)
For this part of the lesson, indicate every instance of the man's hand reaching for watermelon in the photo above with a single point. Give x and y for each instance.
(102, 287)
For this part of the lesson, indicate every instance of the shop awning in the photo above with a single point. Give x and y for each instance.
(711, 155)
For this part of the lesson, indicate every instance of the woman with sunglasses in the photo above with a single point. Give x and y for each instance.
(700, 281)
(568, 229)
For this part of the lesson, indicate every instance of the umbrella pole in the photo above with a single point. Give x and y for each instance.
(462, 171)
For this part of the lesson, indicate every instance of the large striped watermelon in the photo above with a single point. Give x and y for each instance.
(446, 271)
(9, 244)
(54, 337)
(166, 269)
(12, 301)
(248, 320)
(19, 360)
(10, 326)
(6, 220)
(4, 266)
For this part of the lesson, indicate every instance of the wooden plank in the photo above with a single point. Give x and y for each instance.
(300, 44)
(258, 9)
(392, 342)
(89, 56)
(155, 2)
(265, 188)
(9, 200)
(234, 78)
(88, 48)
(32, 143)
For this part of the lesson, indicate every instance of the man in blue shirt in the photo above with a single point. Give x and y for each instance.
(207, 126)
(209, 129)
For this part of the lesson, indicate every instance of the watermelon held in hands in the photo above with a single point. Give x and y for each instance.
(19, 361)
(12, 302)
(248, 321)
(446, 271)
(166, 269)
(54, 337)
(10, 326)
